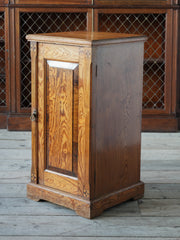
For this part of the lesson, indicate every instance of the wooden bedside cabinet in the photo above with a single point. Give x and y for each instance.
(86, 119)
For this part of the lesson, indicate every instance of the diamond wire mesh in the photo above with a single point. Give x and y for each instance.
(43, 23)
(153, 26)
(2, 63)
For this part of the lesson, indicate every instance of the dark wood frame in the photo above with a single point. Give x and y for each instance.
(4, 110)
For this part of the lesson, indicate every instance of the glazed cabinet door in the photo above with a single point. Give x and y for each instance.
(61, 159)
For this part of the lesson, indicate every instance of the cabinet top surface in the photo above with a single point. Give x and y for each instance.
(84, 38)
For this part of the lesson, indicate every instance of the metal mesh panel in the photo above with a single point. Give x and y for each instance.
(43, 23)
(153, 26)
(2, 63)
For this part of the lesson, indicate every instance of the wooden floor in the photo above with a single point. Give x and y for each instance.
(157, 216)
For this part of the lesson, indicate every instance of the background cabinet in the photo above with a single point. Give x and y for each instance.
(159, 20)
(157, 24)
(4, 100)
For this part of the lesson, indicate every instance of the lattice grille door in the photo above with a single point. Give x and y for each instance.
(2, 63)
(41, 22)
(153, 26)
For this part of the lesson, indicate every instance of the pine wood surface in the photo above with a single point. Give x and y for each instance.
(85, 38)
(107, 166)
(156, 216)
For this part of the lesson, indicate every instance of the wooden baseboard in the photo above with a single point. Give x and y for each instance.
(3, 121)
(23, 123)
(160, 124)
(19, 123)
(84, 208)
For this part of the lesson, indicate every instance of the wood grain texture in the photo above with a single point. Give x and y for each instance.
(155, 154)
(161, 177)
(88, 105)
(7, 135)
(56, 92)
(78, 238)
(15, 123)
(104, 227)
(84, 208)
(14, 144)
(162, 124)
(64, 53)
(162, 191)
(41, 115)
(26, 207)
(84, 121)
(16, 154)
(88, 39)
(75, 120)
(147, 219)
(3, 121)
(34, 107)
(62, 182)
(14, 190)
(59, 118)
(159, 207)
(117, 98)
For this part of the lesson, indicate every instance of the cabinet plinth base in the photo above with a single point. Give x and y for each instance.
(19, 123)
(3, 121)
(168, 124)
(85, 208)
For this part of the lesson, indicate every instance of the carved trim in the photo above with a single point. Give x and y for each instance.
(86, 193)
(33, 47)
(33, 177)
(86, 52)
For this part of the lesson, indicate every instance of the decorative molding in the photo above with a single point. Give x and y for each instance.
(33, 177)
(85, 52)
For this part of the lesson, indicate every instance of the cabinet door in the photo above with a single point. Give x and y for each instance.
(62, 118)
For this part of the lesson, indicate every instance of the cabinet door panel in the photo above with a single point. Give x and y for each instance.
(60, 120)
(58, 100)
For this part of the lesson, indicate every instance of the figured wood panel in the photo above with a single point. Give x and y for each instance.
(65, 53)
(56, 177)
(60, 113)
(61, 182)
(84, 173)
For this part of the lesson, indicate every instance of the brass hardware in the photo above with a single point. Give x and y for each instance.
(34, 116)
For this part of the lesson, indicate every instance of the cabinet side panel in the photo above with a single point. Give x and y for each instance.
(116, 117)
